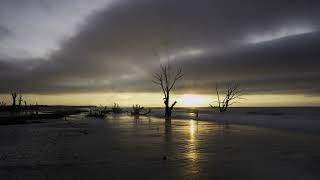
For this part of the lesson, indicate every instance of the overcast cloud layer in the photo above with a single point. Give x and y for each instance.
(267, 46)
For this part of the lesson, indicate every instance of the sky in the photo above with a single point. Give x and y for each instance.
(104, 51)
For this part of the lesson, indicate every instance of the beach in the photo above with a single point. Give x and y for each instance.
(127, 147)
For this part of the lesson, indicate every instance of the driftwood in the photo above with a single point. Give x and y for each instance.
(98, 112)
(137, 110)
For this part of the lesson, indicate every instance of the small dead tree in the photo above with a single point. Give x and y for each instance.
(20, 101)
(167, 82)
(2, 105)
(13, 106)
(231, 95)
(116, 109)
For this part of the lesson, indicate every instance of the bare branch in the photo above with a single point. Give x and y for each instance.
(218, 95)
(173, 104)
(177, 77)
(159, 80)
(212, 106)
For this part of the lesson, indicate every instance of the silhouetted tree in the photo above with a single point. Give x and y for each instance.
(2, 105)
(231, 95)
(14, 96)
(116, 109)
(167, 82)
(37, 108)
(20, 101)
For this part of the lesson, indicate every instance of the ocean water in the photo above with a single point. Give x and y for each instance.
(274, 111)
(126, 147)
(303, 119)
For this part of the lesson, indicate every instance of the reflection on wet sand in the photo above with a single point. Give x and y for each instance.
(181, 142)
(192, 153)
(168, 131)
(122, 147)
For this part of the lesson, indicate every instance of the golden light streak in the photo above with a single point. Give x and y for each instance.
(156, 99)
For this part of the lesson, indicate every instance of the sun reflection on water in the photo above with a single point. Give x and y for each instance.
(192, 153)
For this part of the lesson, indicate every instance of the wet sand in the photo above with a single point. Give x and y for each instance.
(124, 147)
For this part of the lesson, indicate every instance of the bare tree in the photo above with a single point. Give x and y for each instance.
(231, 95)
(2, 105)
(116, 109)
(164, 79)
(20, 101)
(13, 106)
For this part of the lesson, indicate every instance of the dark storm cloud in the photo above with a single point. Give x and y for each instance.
(4, 32)
(284, 65)
(211, 40)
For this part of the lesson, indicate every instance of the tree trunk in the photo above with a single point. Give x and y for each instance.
(167, 108)
(168, 112)
(13, 107)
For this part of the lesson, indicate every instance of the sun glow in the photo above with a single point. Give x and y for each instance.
(156, 99)
(188, 100)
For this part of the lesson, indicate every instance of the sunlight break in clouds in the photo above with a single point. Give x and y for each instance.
(280, 33)
(191, 100)
(192, 52)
